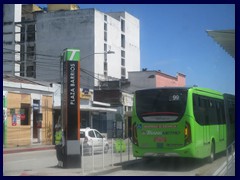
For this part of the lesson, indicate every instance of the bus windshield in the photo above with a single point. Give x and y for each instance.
(161, 105)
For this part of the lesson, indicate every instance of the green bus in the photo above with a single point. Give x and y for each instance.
(181, 122)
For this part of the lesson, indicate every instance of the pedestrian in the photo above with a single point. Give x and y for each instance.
(59, 145)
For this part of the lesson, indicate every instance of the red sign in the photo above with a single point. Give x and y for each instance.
(14, 124)
(160, 139)
(22, 117)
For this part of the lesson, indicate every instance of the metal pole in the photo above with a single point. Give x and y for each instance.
(128, 150)
(121, 151)
(227, 162)
(82, 158)
(102, 154)
(93, 154)
(61, 86)
(112, 153)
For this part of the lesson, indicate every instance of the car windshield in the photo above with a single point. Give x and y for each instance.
(98, 134)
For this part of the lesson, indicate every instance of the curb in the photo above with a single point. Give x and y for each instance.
(9, 151)
(119, 166)
(103, 172)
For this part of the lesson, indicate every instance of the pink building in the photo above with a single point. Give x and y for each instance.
(163, 80)
(152, 79)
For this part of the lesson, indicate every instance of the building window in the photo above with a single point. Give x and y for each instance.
(31, 52)
(105, 50)
(105, 26)
(105, 17)
(31, 71)
(123, 41)
(123, 62)
(105, 66)
(123, 73)
(122, 54)
(105, 47)
(105, 36)
(30, 33)
(122, 25)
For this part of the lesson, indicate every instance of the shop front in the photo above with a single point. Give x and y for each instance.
(27, 119)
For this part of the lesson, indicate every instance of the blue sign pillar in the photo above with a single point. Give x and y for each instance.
(71, 108)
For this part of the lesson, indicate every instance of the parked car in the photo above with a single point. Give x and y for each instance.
(92, 140)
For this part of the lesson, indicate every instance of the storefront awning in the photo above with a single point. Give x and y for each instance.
(100, 109)
(90, 108)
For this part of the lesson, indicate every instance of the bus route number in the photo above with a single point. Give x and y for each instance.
(174, 97)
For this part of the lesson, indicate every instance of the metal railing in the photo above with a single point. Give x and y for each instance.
(96, 158)
(228, 167)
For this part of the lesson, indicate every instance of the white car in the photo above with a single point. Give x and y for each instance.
(92, 140)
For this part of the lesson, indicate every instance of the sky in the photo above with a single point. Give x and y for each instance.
(173, 39)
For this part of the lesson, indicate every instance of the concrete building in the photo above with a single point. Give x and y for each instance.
(120, 100)
(11, 34)
(19, 39)
(46, 33)
(93, 32)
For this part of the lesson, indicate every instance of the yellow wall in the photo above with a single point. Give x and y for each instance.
(47, 114)
(57, 7)
(20, 135)
(27, 10)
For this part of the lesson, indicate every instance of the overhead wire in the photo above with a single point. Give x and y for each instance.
(41, 64)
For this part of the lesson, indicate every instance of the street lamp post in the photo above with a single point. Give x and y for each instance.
(61, 61)
(107, 52)
(89, 75)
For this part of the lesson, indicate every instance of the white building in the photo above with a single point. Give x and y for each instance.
(45, 34)
(93, 32)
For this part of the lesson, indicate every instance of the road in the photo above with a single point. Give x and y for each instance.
(170, 167)
(19, 163)
(42, 163)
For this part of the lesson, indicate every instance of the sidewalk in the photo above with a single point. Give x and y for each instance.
(34, 147)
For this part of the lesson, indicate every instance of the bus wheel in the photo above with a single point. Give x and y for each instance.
(212, 154)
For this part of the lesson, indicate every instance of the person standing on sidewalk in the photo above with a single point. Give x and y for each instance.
(59, 144)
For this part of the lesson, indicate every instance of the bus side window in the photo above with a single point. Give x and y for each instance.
(198, 109)
(213, 112)
(205, 110)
